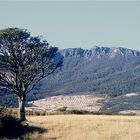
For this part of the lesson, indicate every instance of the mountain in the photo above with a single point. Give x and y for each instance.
(100, 70)
(98, 52)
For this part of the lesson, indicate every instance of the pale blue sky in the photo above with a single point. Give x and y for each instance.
(77, 24)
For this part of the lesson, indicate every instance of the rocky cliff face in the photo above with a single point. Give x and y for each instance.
(99, 51)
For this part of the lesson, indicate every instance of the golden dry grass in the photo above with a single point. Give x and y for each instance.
(87, 127)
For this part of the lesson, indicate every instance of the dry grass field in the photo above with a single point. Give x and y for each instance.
(86, 127)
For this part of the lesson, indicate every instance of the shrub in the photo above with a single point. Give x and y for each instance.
(79, 112)
(9, 125)
(12, 128)
(62, 109)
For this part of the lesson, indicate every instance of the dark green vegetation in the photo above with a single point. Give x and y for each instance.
(12, 128)
(121, 103)
(24, 61)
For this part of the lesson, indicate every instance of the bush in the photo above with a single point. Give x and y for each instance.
(9, 122)
(80, 112)
(12, 128)
(9, 127)
(62, 109)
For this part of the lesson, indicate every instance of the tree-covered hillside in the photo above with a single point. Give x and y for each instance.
(100, 70)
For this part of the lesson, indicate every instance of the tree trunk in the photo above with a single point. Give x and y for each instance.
(21, 113)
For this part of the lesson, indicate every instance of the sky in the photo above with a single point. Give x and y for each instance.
(74, 24)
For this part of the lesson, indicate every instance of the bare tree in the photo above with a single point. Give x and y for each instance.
(24, 61)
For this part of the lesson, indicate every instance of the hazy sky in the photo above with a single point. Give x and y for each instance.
(67, 24)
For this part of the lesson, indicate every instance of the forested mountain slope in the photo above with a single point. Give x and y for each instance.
(99, 70)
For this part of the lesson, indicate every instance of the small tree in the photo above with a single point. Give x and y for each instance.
(24, 61)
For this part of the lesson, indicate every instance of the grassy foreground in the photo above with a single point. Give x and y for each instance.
(86, 127)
